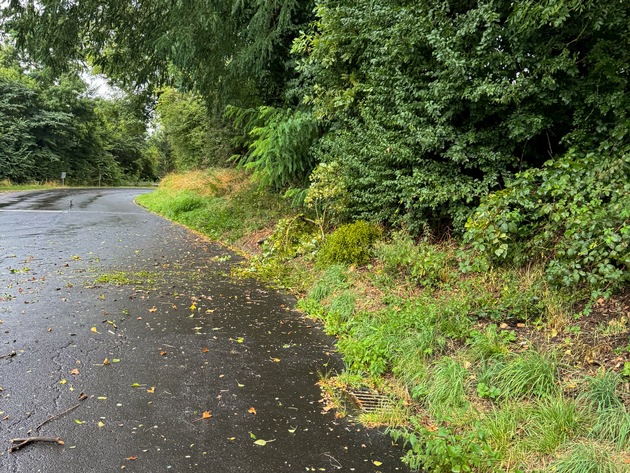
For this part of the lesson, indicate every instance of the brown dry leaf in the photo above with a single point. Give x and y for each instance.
(105, 362)
(205, 350)
(131, 458)
(163, 353)
(252, 410)
(151, 390)
(153, 309)
(74, 371)
(206, 415)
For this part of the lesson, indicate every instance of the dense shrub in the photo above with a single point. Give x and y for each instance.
(574, 212)
(349, 244)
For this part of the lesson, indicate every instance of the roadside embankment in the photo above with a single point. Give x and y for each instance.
(476, 366)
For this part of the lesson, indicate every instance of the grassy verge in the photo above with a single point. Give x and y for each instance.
(8, 186)
(478, 367)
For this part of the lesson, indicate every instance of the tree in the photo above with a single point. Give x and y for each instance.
(230, 51)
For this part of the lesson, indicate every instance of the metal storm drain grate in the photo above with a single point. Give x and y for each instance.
(369, 401)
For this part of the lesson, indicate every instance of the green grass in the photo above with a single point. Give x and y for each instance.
(528, 375)
(588, 458)
(601, 391)
(220, 215)
(122, 278)
(552, 422)
(446, 395)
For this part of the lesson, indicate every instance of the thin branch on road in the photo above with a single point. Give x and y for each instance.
(8, 355)
(22, 442)
(82, 396)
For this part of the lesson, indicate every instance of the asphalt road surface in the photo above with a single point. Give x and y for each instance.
(124, 336)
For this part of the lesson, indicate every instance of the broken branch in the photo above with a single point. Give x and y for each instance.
(22, 442)
(8, 355)
(57, 416)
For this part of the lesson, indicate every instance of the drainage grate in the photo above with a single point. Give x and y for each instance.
(369, 401)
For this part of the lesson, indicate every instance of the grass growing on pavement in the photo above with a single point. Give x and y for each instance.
(488, 368)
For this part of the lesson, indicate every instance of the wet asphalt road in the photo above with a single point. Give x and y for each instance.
(98, 296)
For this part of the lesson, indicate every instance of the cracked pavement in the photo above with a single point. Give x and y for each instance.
(98, 296)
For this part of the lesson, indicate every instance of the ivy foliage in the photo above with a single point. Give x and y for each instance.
(575, 212)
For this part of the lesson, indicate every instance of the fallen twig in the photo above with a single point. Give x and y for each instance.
(8, 355)
(22, 442)
(56, 416)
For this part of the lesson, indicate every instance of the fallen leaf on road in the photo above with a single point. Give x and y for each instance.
(63, 381)
(93, 329)
(151, 390)
(153, 309)
(204, 415)
(131, 458)
(377, 463)
(79, 421)
(163, 353)
(262, 442)
(205, 350)
(74, 371)
(276, 360)
(252, 410)
(105, 362)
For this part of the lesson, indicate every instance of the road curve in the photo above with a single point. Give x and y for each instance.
(182, 367)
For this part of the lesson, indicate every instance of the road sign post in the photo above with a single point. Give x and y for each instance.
(63, 178)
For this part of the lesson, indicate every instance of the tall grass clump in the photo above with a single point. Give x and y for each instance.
(446, 395)
(588, 458)
(531, 374)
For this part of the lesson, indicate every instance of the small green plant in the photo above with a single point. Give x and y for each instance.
(350, 244)
(293, 236)
(327, 194)
(422, 263)
(440, 450)
(490, 392)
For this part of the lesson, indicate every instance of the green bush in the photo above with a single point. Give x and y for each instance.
(574, 213)
(425, 264)
(349, 244)
(445, 451)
